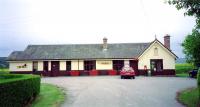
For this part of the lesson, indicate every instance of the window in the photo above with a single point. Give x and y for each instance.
(68, 65)
(35, 66)
(156, 51)
(45, 66)
(118, 64)
(89, 65)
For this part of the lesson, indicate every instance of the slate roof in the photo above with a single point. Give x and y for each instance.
(79, 51)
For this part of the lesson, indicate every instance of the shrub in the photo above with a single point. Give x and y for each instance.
(198, 81)
(183, 68)
(198, 78)
(17, 90)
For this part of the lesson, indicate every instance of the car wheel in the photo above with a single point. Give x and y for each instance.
(192, 76)
(189, 75)
(133, 77)
(122, 77)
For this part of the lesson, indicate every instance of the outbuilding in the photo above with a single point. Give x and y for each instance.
(94, 59)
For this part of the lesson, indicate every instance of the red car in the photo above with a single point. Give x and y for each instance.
(127, 72)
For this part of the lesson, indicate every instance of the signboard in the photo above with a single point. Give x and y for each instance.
(104, 62)
(22, 66)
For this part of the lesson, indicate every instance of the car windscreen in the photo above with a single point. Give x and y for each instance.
(127, 69)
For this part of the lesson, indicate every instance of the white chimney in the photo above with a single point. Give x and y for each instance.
(105, 44)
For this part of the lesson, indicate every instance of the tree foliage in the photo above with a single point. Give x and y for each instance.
(191, 43)
(191, 46)
(192, 8)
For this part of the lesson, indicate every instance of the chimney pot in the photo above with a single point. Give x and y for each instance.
(167, 41)
(105, 44)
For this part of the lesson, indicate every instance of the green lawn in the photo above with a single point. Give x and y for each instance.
(189, 97)
(183, 68)
(4, 70)
(50, 96)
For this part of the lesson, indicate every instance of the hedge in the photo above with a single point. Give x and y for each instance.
(17, 90)
(198, 81)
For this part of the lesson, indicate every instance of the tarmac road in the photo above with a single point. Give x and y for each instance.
(111, 91)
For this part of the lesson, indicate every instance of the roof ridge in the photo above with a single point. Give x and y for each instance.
(84, 44)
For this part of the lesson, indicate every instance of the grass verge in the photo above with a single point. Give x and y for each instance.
(50, 96)
(189, 97)
(182, 75)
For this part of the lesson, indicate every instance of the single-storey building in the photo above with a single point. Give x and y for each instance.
(94, 59)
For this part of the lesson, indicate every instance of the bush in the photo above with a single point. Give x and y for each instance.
(183, 68)
(17, 90)
(198, 81)
(198, 78)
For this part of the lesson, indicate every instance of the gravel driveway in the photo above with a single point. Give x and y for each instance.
(111, 91)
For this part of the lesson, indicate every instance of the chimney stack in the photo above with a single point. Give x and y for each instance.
(167, 41)
(105, 44)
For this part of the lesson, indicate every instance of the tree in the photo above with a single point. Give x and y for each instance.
(192, 8)
(191, 43)
(191, 46)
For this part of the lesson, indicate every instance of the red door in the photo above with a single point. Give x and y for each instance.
(54, 68)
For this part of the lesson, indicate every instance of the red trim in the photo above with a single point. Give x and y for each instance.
(142, 72)
(112, 72)
(84, 73)
(44, 73)
(74, 73)
(103, 72)
(64, 73)
(164, 72)
(93, 73)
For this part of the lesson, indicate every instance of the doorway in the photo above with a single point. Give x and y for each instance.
(55, 68)
(156, 65)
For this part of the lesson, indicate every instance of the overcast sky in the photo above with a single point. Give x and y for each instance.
(24, 22)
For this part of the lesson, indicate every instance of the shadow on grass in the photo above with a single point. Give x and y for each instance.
(189, 97)
(50, 96)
